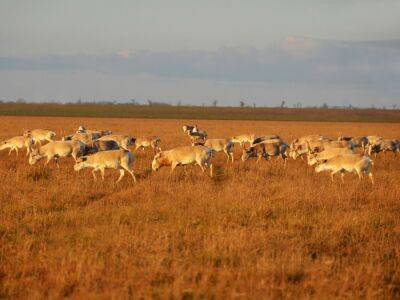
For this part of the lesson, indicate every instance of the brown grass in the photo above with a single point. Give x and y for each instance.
(250, 232)
(198, 112)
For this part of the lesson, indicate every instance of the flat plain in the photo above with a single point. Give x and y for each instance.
(252, 231)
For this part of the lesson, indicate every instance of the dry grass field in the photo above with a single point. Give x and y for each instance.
(250, 232)
(199, 112)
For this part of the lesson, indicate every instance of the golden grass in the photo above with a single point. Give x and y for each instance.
(252, 231)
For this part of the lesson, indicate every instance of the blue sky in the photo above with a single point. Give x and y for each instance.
(341, 52)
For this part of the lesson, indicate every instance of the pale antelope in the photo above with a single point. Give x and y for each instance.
(185, 155)
(121, 160)
(224, 145)
(149, 141)
(39, 135)
(55, 150)
(320, 157)
(96, 134)
(352, 163)
(299, 146)
(17, 142)
(243, 138)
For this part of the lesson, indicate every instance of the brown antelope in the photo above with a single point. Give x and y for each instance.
(98, 146)
(190, 128)
(358, 141)
(265, 150)
(123, 141)
(384, 145)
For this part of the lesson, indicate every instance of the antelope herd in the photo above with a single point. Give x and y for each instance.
(101, 149)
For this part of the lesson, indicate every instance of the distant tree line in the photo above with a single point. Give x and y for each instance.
(212, 103)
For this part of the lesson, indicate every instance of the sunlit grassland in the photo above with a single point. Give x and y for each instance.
(252, 231)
